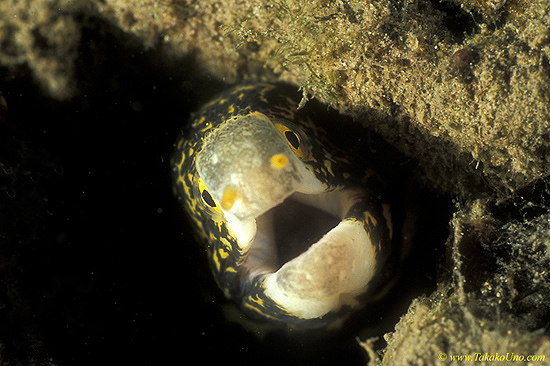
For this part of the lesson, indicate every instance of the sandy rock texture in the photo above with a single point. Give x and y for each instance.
(460, 87)
(417, 74)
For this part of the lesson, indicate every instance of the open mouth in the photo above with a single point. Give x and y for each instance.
(286, 231)
(298, 225)
(313, 258)
(302, 245)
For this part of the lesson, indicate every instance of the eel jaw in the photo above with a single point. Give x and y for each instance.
(249, 168)
(328, 274)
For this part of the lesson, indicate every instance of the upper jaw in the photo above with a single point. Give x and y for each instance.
(248, 167)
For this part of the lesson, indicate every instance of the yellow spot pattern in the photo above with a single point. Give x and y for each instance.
(370, 219)
(225, 251)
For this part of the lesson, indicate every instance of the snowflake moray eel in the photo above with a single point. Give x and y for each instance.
(252, 172)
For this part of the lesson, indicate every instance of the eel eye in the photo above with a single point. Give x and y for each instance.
(207, 198)
(293, 139)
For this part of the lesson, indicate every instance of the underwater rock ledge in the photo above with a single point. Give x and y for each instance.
(465, 93)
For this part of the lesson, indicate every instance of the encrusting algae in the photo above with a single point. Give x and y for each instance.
(460, 87)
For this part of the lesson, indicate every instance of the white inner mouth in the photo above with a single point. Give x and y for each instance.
(313, 262)
(285, 232)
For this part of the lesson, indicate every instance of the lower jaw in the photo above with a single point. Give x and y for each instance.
(309, 261)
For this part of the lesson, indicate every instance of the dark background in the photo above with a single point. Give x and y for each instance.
(97, 264)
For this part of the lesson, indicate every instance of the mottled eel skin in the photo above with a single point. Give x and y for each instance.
(250, 150)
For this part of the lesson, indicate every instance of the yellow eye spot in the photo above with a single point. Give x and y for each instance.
(230, 195)
(279, 161)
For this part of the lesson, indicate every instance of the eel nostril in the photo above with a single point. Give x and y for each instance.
(230, 195)
(279, 161)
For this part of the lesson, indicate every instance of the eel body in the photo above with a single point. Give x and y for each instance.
(296, 230)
